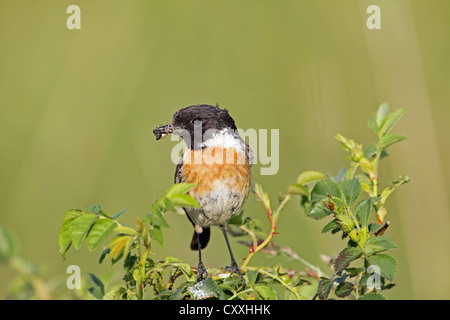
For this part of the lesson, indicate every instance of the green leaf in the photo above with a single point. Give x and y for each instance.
(309, 176)
(156, 234)
(179, 188)
(265, 292)
(80, 227)
(351, 190)
(207, 288)
(370, 151)
(173, 260)
(373, 122)
(186, 268)
(103, 255)
(95, 209)
(167, 205)
(389, 140)
(332, 225)
(389, 122)
(236, 220)
(324, 289)
(382, 112)
(252, 276)
(99, 231)
(320, 190)
(372, 296)
(297, 189)
(394, 185)
(126, 230)
(117, 215)
(98, 290)
(386, 263)
(64, 238)
(363, 210)
(318, 211)
(184, 200)
(341, 175)
(8, 243)
(72, 214)
(118, 245)
(344, 258)
(344, 289)
(156, 217)
(378, 244)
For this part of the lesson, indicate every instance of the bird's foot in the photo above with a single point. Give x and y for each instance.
(201, 272)
(233, 268)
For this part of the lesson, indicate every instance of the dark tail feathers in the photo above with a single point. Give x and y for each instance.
(204, 239)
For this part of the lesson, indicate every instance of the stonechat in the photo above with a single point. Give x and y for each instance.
(218, 161)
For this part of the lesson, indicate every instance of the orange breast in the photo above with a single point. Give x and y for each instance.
(203, 167)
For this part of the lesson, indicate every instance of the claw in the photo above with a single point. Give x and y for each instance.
(233, 268)
(201, 272)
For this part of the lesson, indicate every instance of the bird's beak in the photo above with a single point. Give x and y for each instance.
(162, 131)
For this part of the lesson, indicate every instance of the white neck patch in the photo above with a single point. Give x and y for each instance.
(225, 138)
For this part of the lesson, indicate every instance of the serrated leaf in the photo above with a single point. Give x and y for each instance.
(324, 289)
(332, 225)
(351, 190)
(363, 210)
(378, 244)
(79, 228)
(382, 112)
(232, 283)
(344, 289)
(324, 187)
(252, 276)
(372, 296)
(318, 211)
(386, 263)
(297, 189)
(389, 140)
(344, 258)
(207, 288)
(101, 229)
(64, 238)
(265, 292)
(72, 214)
(309, 176)
(389, 122)
(370, 151)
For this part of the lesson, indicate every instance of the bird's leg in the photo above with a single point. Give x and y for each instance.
(233, 267)
(201, 270)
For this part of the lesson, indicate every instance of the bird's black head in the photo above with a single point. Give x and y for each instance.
(190, 121)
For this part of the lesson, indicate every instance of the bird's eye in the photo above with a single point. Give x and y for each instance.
(197, 120)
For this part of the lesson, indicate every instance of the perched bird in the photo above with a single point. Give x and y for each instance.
(218, 161)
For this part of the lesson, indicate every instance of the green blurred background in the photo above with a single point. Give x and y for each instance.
(77, 109)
